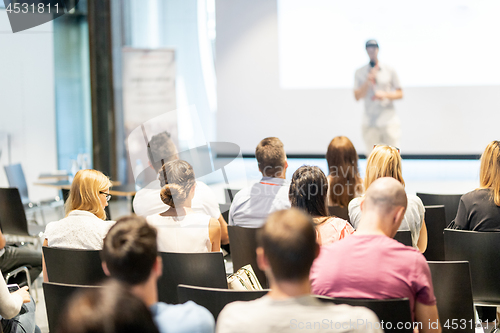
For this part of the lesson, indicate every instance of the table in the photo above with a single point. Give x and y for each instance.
(117, 189)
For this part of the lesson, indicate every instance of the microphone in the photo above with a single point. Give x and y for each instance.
(372, 63)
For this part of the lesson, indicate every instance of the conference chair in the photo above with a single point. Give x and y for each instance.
(449, 201)
(339, 211)
(196, 269)
(16, 178)
(57, 296)
(13, 218)
(230, 193)
(73, 266)
(395, 313)
(243, 245)
(404, 237)
(224, 210)
(482, 251)
(215, 299)
(435, 221)
(453, 291)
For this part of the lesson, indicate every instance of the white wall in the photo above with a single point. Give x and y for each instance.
(252, 105)
(27, 110)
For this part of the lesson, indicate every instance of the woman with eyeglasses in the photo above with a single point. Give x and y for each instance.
(385, 161)
(84, 226)
(479, 210)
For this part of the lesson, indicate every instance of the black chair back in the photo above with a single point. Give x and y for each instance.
(12, 216)
(16, 178)
(230, 193)
(482, 251)
(224, 210)
(453, 291)
(215, 299)
(73, 266)
(449, 201)
(339, 211)
(56, 297)
(435, 221)
(243, 245)
(390, 311)
(196, 269)
(404, 237)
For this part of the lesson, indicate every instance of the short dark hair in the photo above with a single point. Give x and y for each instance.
(161, 149)
(130, 249)
(308, 190)
(271, 157)
(111, 308)
(289, 241)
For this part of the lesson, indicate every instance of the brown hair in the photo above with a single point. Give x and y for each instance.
(111, 308)
(489, 176)
(384, 161)
(289, 241)
(130, 249)
(176, 178)
(271, 157)
(84, 192)
(342, 161)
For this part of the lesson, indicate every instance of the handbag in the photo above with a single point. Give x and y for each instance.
(244, 279)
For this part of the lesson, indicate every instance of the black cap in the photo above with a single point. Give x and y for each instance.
(372, 42)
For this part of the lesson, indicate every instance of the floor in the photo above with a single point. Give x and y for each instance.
(428, 176)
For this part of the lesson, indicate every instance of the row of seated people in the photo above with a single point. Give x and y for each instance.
(90, 193)
(287, 249)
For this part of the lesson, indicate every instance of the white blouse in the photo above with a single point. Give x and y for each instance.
(183, 234)
(79, 230)
(10, 304)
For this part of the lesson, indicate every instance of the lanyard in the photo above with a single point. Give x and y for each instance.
(263, 183)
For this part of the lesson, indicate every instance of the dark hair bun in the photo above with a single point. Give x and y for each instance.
(171, 193)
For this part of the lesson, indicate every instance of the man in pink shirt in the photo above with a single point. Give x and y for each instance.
(370, 264)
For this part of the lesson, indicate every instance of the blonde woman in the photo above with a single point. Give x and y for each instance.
(84, 226)
(385, 161)
(180, 229)
(479, 210)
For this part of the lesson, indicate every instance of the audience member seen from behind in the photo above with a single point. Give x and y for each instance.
(479, 210)
(180, 228)
(385, 161)
(147, 201)
(17, 310)
(253, 204)
(110, 309)
(344, 182)
(308, 192)
(84, 226)
(286, 249)
(379, 267)
(14, 256)
(130, 255)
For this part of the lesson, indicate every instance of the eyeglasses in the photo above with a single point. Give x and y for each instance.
(108, 196)
(399, 150)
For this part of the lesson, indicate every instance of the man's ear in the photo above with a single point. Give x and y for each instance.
(286, 165)
(105, 268)
(399, 216)
(262, 261)
(158, 267)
